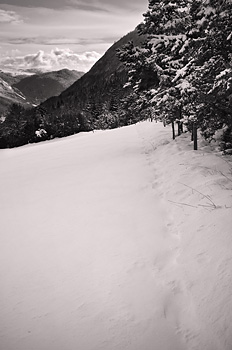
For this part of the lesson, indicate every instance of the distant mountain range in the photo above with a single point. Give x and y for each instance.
(39, 87)
(34, 89)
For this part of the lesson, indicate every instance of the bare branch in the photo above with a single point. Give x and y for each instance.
(202, 194)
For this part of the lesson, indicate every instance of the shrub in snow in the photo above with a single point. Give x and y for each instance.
(41, 133)
(228, 151)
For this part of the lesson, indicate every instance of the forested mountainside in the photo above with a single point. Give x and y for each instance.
(98, 95)
(39, 87)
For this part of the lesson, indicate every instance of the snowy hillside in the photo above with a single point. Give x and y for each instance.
(9, 95)
(116, 240)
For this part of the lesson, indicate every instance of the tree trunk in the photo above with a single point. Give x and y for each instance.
(179, 123)
(194, 136)
(178, 127)
(173, 131)
(181, 127)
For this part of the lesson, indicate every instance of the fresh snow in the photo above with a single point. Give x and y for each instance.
(116, 240)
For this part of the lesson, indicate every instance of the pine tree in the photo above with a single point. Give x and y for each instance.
(158, 67)
(212, 71)
(187, 56)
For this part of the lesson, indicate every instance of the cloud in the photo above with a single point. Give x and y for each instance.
(47, 41)
(35, 4)
(83, 5)
(9, 17)
(55, 60)
(86, 5)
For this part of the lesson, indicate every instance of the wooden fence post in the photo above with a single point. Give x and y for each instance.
(180, 127)
(173, 130)
(194, 136)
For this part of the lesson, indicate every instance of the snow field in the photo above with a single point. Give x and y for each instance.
(109, 241)
(197, 188)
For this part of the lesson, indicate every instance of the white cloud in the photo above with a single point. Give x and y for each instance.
(9, 17)
(55, 60)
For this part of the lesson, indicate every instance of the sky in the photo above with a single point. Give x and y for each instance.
(54, 34)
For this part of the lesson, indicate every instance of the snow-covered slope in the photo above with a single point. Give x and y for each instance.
(116, 240)
(9, 95)
(8, 92)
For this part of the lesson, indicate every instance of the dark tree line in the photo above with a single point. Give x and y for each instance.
(22, 126)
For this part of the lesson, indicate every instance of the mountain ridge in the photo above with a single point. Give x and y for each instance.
(39, 87)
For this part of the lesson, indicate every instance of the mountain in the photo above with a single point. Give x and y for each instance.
(99, 90)
(39, 87)
(9, 95)
(10, 78)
